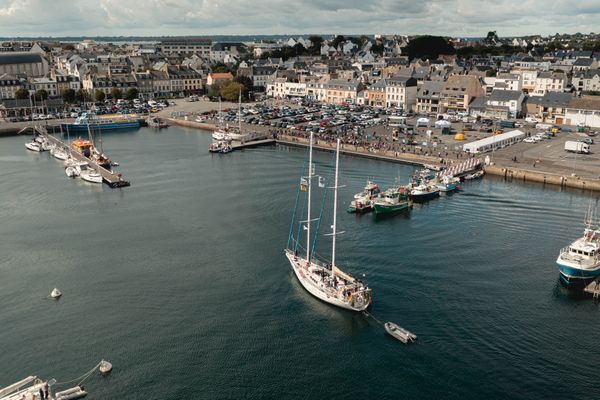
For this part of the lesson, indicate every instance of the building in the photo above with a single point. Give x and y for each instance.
(583, 111)
(504, 104)
(375, 95)
(9, 84)
(46, 84)
(548, 81)
(458, 91)
(281, 88)
(401, 92)
(428, 97)
(549, 108)
(30, 64)
(186, 46)
(218, 78)
(588, 81)
(342, 91)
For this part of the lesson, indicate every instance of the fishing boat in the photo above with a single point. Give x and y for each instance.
(579, 263)
(399, 333)
(324, 280)
(392, 200)
(370, 190)
(110, 122)
(447, 183)
(424, 192)
(87, 148)
(360, 205)
(33, 146)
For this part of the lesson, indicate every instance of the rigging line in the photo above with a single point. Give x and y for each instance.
(84, 376)
(314, 246)
(293, 216)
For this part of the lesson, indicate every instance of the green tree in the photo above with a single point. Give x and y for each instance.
(220, 67)
(116, 93)
(429, 47)
(247, 85)
(82, 95)
(41, 95)
(68, 47)
(132, 93)
(22, 94)
(99, 95)
(68, 95)
(491, 37)
(230, 91)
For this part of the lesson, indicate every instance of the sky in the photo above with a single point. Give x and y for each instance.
(462, 18)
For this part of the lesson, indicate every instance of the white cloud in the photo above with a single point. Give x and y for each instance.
(205, 17)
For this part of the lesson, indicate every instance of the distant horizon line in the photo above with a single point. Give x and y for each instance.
(158, 37)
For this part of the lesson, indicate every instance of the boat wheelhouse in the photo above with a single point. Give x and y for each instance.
(579, 263)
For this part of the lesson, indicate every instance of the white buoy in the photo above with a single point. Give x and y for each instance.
(105, 367)
(55, 293)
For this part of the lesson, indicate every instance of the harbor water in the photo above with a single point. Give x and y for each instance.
(181, 281)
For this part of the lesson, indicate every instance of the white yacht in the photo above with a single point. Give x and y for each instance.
(33, 146)
(60, 154)
(325, 280)
(579, 263)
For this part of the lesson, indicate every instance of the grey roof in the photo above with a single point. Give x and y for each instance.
(505, 95)
(22, 58)
(590, 73)
(551, 99)
(583, 62)
(429, 89)
(402, 81)
(477, 103)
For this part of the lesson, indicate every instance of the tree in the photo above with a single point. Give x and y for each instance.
(429, 47)
(99, 95)
(116, 93)
(68, 95)
(220, 67)
(491, 37)
(41, 95)
(231, 90)
(246, 83)
(491, 72)
(22, 94)
(68, 47)
(82, 95)
(315, 46)
(132, 93)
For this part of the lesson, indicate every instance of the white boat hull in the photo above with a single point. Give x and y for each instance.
(318, 289)
(91, 177)
(33, 146)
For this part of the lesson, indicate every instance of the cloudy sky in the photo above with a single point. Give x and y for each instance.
(214, 17)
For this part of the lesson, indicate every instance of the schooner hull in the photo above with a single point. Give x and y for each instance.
(316, 288)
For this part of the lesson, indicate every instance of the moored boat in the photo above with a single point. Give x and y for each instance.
(324, 280)
(392, 200)
(424, 192)
(447, 184)
(370, 190)
(475, 175)
(360, 205)
(579, 263)
(91, 121)
(33, 146)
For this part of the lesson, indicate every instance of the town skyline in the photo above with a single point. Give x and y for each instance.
(457, 18)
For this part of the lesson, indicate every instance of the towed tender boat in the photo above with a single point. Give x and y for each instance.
(399, 333)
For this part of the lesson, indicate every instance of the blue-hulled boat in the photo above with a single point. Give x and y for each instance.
(579, 263)
(105, 123)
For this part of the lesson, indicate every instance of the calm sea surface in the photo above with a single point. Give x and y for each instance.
(181, 282)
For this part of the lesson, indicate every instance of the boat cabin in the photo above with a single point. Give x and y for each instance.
(83, 146)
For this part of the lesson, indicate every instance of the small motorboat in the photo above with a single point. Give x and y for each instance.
(226, 149)
(33, 146)
(219, 135)
(71, 172)
(475, 175)
(46, 145)
(89, 175)
(71, 394)
(60, 154)
(55, 293)
(399, 333)
(105, 367)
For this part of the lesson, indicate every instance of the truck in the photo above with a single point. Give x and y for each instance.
(577, 147)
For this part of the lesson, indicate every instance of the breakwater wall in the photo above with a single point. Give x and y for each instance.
(524, 175)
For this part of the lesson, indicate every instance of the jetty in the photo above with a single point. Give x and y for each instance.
(112, 179)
